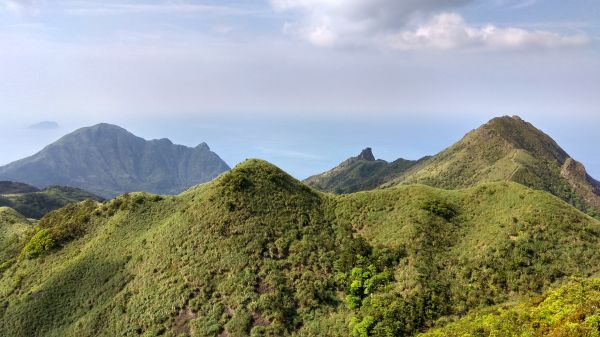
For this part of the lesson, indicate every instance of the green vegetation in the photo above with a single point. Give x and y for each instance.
(508, 149)
(256, 253)
(571, 310)
(35, 205)
(40, 243)
(505, 149)
(14, 230)
(465, 249)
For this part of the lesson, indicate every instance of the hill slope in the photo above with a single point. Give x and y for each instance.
(108, 160)
(14, 228)
(257, 253)
(37, 204)
(359, 173)
(509, 149)
(10, 187)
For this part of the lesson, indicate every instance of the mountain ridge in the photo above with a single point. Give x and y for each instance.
(508, 149)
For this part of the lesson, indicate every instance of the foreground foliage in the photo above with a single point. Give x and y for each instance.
(569, 311)
(256, 253)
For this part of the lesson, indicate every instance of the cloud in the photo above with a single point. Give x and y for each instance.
(45, 125)
(408, 25)
(165, 8)
(450, 31)
(21, 7)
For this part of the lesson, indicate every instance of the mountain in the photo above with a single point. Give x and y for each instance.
(509, 149)
(36, 204)
(257, 253)
(108, 160)
(359, 173)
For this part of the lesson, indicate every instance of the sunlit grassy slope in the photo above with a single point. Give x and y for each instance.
(257, 253)
(571, 310)
(509, 149)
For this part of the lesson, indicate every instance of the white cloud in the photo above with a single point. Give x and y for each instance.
(408, 25)
(450, 31)
(21, 7)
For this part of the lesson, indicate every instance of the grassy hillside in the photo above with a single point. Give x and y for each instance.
(257, 253)
(571, 310)
(359, 173)
(250, 252)
(14, 230)
(37, 204)
(465, 249)
(509, 149)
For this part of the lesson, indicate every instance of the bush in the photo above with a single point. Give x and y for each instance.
(40, 243)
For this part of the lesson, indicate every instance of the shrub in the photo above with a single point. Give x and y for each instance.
(40, 243)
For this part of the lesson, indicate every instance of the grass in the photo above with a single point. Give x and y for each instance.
(14, 229)
(257, 253)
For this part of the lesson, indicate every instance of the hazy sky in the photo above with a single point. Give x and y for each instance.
(302, 83)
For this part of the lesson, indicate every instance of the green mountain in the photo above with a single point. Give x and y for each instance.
(257, 253)
(108, 160)
(38, 203)
(10, 187)
(504, 149)
(359, 173)
(509, 149)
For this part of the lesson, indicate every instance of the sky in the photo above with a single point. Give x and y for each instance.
(301, 83)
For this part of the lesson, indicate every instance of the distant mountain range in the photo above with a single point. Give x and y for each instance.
(504, 149)
(107, 160)
(34, 203)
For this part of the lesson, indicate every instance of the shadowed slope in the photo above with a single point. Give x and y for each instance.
(37, 204)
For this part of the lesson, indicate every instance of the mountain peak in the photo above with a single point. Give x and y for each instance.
(521, 134)
(104, 127)
(366, 154)
(203, 146)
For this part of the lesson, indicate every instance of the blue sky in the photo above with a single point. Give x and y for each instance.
(302, 83)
